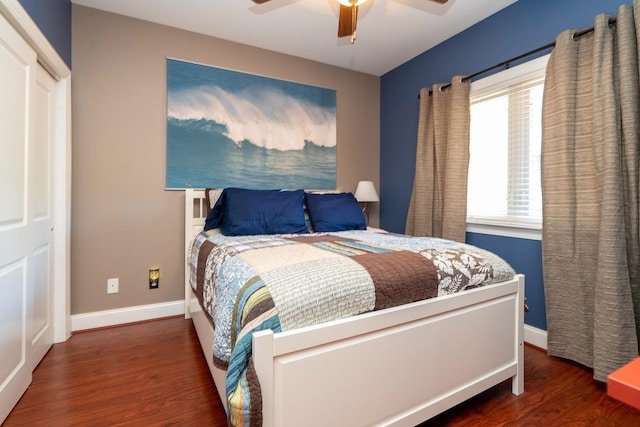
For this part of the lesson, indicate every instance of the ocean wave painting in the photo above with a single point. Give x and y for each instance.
(232, 129)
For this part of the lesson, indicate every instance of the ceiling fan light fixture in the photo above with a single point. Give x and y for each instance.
(350, 3)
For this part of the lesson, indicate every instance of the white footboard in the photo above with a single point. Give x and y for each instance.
(397, 367)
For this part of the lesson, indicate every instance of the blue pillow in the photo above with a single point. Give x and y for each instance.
(214, 217)
(241, 212)
(334, 212)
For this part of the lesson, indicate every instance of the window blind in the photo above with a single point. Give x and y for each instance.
(504, 168)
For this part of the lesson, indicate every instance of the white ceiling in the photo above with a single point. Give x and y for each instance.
(389, 32)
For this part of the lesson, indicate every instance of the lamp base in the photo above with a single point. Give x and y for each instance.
(365, 212)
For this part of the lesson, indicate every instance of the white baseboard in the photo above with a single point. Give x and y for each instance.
(535, 336)
(101, 319)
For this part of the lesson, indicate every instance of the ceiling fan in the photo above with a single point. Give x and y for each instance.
(349, 16)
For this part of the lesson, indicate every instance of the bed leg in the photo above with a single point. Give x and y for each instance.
(263, 362)
(517, 382)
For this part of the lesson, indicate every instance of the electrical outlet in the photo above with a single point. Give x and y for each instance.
(112, 286)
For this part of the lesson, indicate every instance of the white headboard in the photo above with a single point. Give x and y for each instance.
(195, 213)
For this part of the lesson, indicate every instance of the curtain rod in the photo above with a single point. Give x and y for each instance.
(506, 63)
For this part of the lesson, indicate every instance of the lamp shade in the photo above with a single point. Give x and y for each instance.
(366, 192)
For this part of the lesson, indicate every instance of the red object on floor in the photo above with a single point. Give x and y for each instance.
(624, 384)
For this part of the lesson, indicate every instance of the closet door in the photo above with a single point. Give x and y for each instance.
(40, 291)
(17, 83)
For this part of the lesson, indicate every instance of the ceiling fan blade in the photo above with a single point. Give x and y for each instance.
(260, 1)
(347, 20)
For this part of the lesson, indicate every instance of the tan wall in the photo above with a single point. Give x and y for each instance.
(123, 220)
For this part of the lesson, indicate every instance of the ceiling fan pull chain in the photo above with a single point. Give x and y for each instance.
(354, 18)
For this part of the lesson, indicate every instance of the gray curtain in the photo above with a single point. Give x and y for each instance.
(438, 206)
(590, 242)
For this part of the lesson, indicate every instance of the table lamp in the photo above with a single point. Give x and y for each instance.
(366, 193)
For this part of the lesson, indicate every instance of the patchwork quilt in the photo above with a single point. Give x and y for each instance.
(284, 282)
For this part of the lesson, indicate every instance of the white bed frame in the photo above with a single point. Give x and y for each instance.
(398, 366)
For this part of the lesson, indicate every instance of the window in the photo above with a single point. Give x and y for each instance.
(504, 193)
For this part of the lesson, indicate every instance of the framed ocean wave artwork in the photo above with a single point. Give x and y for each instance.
(231, 129)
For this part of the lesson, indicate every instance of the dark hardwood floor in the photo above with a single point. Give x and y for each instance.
(154, 373)
(143, 374)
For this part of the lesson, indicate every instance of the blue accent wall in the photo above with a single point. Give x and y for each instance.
(53, 18)
(525, 256)
(522, 27)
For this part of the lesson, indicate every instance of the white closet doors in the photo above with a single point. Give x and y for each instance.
(26, 214)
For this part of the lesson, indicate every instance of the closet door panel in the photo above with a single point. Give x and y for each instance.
(17, 82)
(40, 295)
